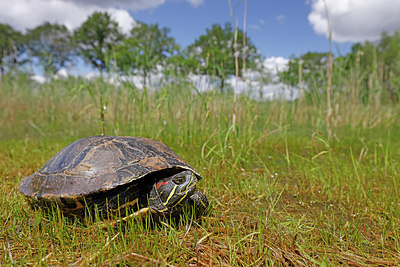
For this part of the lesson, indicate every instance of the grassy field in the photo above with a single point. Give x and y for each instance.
(281, 192)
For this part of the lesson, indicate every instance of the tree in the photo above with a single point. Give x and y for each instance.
(11, 47)
(376, 68)
(311, 66)
(215, 52)
(380, 64)
(145, 48)
(181, 65)
(51, 44)
(96, 37)
(389, 48)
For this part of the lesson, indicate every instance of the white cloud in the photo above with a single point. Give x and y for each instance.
(262, 91)
(253, 86)
(125, 4)
(38, 78)
(23, 14)
(257, 89)
(255, 27)
(196, 2)
(281, 18)
(276, 64)
(62, 73)
(123, 18)
(258, 25)
(355, 20)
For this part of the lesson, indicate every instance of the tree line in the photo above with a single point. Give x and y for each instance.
(371, 70)
(100, 42)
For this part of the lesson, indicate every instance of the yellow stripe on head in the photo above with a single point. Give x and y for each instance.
(170, 195)
(180, 200)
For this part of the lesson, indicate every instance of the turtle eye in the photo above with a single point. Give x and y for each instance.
(179, 180)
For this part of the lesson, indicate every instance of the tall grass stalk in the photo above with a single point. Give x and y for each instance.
(330, 71)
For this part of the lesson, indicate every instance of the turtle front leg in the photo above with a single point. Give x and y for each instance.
(200, 202)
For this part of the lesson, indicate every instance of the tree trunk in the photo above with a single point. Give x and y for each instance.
(144, 79)
(222, 85)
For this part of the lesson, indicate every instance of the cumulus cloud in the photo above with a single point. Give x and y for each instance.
(355, 20)
(252, 86)
(263, 91)
(256, 88)
(28, 14)
(125, 4)
(38, 78)
(276, 64)
(123, 18)
(23, 14)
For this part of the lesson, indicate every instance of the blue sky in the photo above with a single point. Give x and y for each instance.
(277, 28)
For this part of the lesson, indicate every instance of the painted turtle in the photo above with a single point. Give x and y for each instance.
(115, 174)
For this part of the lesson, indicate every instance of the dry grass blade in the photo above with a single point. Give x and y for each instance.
(9, 251)
(203, 238)
(358, 260)
(187, 231)
(132, 256)
(167, 225)
(46, 257)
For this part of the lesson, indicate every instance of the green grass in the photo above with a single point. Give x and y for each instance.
(281, 192)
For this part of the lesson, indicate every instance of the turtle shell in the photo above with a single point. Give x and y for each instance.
(97, 169)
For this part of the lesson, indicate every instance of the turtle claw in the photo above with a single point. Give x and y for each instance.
(200, 202)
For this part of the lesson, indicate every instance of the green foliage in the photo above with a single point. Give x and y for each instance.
(369, 73)
(376, 68)
(215, 52)
(147, 47)
(313, 67)
(52, 45)
(11, 47)
(180, 65)
(96, 37)
(389, 49)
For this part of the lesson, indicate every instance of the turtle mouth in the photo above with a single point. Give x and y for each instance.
(184, 195)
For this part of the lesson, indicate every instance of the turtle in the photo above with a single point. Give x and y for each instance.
(116, 175)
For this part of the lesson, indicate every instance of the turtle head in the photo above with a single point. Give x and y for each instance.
(168, 193)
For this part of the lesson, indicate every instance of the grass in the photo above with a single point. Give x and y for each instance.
(282, 192)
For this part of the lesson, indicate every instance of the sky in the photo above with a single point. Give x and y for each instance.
(278, 28)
